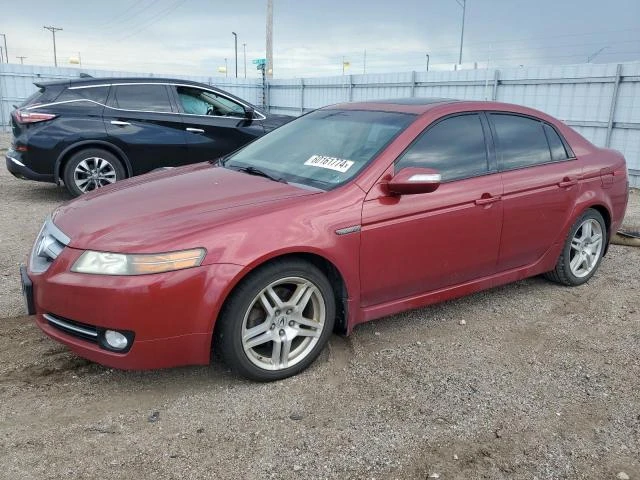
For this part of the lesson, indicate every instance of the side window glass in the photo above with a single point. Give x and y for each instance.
(201, 102)
(521, 141)
(97, 96)
(455, 147)
(558, 152)
(152, 98)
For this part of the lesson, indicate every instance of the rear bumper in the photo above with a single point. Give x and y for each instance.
(18, 169)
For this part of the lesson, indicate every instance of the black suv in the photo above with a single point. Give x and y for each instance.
(89, 133)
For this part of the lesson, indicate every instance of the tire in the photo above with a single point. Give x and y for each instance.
(260, 355)
(571, 270)
(90, 169)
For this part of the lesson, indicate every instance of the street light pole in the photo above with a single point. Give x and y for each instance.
(53, 30)
(6, 52)
(427, 62)
(244, 54)
(463, 4)
(235, 43)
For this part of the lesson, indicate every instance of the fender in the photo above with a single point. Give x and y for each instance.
(118, 150)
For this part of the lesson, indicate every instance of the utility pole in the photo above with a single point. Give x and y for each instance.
(6, 52)
(463, 4)
(244, 54)
(53, 30)
(21, 60)
(427, 62)
(269, 67)
(235, 45)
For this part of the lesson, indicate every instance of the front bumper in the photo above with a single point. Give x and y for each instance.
(17, 167)
(171, 315)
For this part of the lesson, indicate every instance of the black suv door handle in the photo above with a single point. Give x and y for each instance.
(119, 123)
(194, 130)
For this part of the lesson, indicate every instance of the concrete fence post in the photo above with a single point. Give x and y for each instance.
(612, 106)
(301, 96)
(413, 83)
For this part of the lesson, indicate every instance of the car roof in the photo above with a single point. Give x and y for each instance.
(89, 81)
(419, 106)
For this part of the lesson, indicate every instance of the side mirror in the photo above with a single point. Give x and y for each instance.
(413, 180)
(248, 113)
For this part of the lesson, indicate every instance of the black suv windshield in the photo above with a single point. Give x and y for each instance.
(323, 149)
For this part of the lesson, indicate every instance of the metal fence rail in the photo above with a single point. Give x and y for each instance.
(601, 101)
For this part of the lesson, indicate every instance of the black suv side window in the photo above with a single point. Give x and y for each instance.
(96, 95)
(195, 101)
(521, 141)
(455, 147)
(153, 98)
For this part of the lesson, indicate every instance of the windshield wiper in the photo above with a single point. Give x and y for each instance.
(261, 173)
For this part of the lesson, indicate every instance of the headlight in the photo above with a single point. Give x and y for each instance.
(104, 263)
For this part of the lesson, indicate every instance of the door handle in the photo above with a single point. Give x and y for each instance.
(568, 182)
(119, 123)
(195, 130)
(488, 200)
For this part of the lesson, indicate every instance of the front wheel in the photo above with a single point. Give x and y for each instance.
(277, 321)
(583, 250)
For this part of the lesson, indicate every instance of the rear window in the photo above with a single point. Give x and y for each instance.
(42, 95)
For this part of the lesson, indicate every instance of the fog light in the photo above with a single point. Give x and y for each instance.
(115, 340)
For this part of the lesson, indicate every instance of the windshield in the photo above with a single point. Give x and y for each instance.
(323, 149)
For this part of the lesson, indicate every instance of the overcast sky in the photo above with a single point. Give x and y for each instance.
(312, 36)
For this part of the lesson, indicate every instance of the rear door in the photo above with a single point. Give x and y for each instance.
(412, 244)
(214, 123)
(540, 180)
(141, 119)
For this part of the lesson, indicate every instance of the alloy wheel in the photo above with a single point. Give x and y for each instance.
(586, 248)
(283, 323)
(94, 172)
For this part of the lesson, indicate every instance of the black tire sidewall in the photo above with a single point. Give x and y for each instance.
(78, 157)
(229, 338)
(588, 214)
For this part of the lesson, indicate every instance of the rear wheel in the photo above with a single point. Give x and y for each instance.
(277, 321)
(91, 169)
(583, 250)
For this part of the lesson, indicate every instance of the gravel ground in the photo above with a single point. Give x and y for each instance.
(538, 382)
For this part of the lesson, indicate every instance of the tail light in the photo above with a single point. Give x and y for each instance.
(32, 117)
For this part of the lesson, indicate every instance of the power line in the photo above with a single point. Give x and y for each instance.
(53, 30)
(154, 19)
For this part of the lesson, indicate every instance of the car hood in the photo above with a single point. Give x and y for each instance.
(274, 121)
(168, 210)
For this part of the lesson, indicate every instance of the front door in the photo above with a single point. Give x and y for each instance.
(214, 123)
(139, 119)
(413, 244)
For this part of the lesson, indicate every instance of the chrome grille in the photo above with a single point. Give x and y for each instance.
(48, 245)
(70, 327)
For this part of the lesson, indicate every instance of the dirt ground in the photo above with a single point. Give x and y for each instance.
(541, 382)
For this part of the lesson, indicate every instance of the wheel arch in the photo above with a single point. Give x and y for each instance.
(66, 154)
(335, 277)
(606, 215)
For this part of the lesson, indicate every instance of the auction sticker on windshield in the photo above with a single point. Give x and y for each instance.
(332, 163)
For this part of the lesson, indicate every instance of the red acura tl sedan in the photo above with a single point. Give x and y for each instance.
(347, 214)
